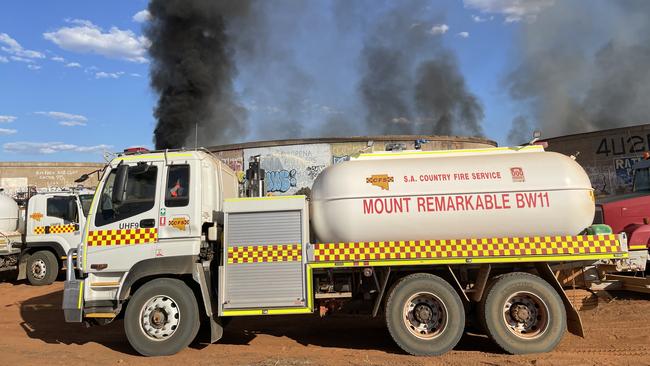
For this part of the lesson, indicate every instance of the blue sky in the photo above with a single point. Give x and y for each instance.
(74, 74)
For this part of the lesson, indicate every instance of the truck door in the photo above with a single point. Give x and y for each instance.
(130, 224)
(176, 219)
(55, 218)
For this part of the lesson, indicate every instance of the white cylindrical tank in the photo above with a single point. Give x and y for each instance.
(488, 193)
(8, 213)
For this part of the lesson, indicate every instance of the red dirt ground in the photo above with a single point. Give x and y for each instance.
(33, 332)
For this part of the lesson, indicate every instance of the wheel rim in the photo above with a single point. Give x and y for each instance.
(525, 315)
(159, 318)
(39, 269)
(425, 315)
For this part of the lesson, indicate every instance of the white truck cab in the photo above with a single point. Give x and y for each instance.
(42, 234)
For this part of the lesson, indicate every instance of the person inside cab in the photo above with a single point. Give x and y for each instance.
(177, 190)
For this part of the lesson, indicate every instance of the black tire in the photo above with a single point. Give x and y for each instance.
(449, 322)
(170, 292)
(525, 301)
(42, 268)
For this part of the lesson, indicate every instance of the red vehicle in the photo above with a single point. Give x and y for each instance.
(629, 213)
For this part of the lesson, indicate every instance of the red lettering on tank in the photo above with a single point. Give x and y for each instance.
(367, 207)
(505, 198)
(460, 203)
(421, 203)
(440, 203)
(468, 202)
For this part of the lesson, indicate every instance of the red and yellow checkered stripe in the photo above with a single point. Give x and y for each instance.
(264, 253)
(56, 229)
(122, 237)
(467, 248)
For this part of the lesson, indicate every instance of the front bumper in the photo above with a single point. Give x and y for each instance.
(72, 292)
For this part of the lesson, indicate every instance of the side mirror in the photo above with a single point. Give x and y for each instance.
(72, 213)
(83, 178)
(119, 186)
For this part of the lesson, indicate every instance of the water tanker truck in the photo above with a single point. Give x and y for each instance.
(36, 239)
(430, 240)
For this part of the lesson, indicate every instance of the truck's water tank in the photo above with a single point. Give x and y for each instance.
(490, 193)
(8, 213)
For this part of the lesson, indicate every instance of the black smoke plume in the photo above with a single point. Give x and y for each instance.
(584, 67)
(411, 82)
(193, 71)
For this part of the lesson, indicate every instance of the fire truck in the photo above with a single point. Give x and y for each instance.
(429, 240)
(36, 239)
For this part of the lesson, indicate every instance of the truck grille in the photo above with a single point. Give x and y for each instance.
(598, 215)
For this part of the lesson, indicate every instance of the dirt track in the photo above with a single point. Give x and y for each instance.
(33, 332)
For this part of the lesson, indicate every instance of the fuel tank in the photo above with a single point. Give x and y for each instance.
(8, 213)
(451, 194)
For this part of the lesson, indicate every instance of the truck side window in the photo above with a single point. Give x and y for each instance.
(177, 193)
(58, 207)
(140, 196)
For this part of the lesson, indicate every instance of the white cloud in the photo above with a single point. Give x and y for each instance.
(142, 16)
(85, 37)
(7, 119)
(12, 47)
(73, 64)
(58, 59)
(7, 131)
(33, 67)
(63, 116)
(463, 34)
(478, 19)
(51, 147)
(512, 10)
(439, 29)
(108, 75)
(136, 75)
(4, 59)
(21, 59)
(72, 123)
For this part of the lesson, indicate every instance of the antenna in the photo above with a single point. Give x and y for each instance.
(196, 136)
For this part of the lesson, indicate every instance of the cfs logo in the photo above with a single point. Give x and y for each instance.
(179, 223)
(380, 180)
(517, 174)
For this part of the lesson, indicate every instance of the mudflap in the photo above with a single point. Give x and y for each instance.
(22, 266)
(573, 320)
(216, 329)
(73, 301)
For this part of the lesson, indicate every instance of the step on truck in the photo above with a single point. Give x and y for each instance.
(35, 239)
(430, 241)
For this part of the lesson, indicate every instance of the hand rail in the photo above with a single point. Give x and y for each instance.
(69, 273)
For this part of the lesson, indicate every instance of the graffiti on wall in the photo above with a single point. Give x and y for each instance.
(340, 159)
(291, 168)
(624, 173)
(233, 158)
(280, 180)
(623, 145)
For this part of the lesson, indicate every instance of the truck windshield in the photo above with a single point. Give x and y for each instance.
(86, 200)
(642, 180)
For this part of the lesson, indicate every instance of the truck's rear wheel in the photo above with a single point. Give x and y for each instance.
(162, 317)
(522, 313)
(425, 315)
(42, 268)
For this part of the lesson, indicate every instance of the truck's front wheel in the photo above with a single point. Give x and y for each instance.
(522, 313)
(425, 315)
(162, 317)
(42, 268)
